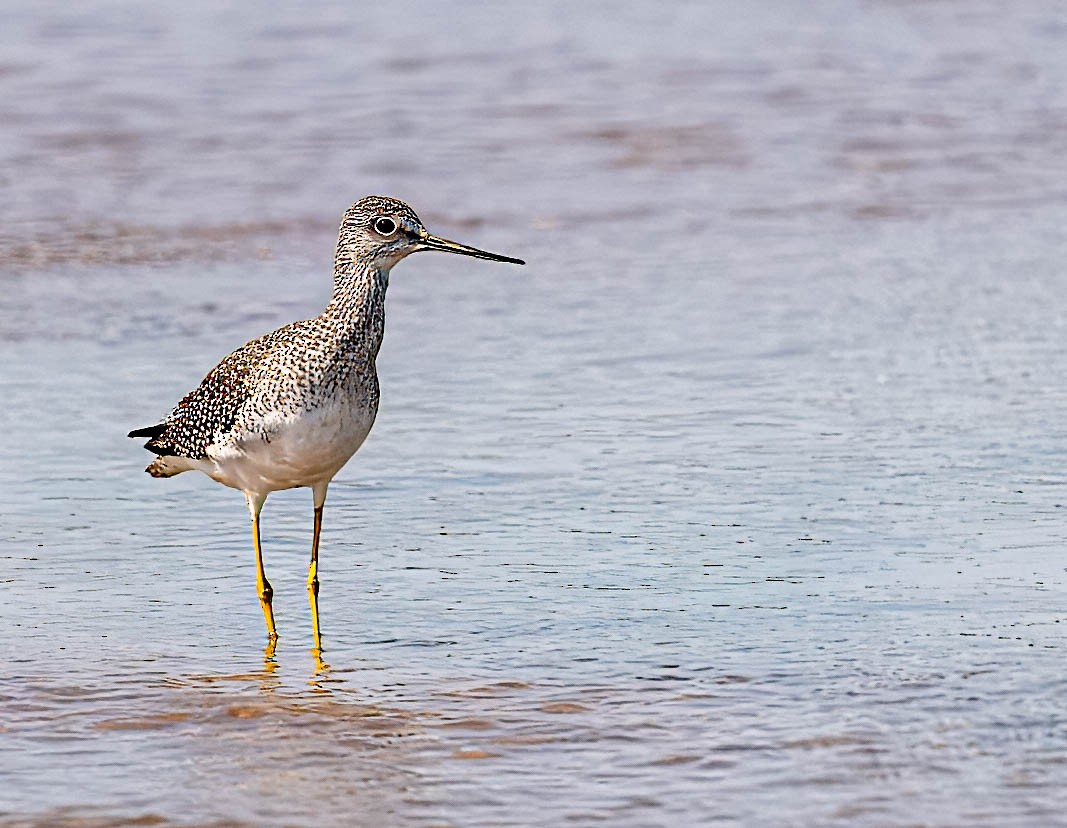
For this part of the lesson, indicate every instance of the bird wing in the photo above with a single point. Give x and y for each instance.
(213, 406)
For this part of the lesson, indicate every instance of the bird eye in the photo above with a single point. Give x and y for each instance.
(385, 226)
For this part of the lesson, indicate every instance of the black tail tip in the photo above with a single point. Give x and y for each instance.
(148, 431)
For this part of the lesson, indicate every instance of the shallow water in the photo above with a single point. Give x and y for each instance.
(741, 503)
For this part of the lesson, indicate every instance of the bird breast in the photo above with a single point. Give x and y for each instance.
(297, 446)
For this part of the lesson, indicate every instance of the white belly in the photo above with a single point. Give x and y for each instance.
(299, 449)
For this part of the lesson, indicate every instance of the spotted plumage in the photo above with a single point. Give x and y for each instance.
(290, 408)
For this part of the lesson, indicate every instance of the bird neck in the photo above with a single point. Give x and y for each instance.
(358, 302)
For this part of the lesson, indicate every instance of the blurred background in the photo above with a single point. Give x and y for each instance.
(742, 503)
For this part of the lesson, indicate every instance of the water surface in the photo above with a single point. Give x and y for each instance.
(742, 503)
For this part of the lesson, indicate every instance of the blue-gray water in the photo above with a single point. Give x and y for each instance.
(742, 503)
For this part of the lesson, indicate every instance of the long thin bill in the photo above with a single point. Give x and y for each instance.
(429, 242)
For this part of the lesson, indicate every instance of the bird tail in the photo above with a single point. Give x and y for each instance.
(148, 431)
(167, 466)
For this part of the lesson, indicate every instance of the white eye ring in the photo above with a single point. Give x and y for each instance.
(385, 226)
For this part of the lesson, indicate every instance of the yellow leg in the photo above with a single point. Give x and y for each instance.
(313, 579)
(263, 587)
(313, 570)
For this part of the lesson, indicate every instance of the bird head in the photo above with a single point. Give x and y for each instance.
(382, 231)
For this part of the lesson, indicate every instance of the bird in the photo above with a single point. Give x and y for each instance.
(290, 408)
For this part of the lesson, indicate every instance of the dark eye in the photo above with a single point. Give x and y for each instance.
(385, 226)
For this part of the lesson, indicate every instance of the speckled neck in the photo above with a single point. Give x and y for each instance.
(358, 304)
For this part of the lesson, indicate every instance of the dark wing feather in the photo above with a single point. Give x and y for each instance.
(213, 406)
(148, 431)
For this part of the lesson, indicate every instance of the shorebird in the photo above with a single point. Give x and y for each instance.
(290, 408)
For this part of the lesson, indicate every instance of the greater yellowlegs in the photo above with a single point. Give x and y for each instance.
(290, 408)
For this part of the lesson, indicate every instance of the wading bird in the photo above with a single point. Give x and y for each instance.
(290, 408)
